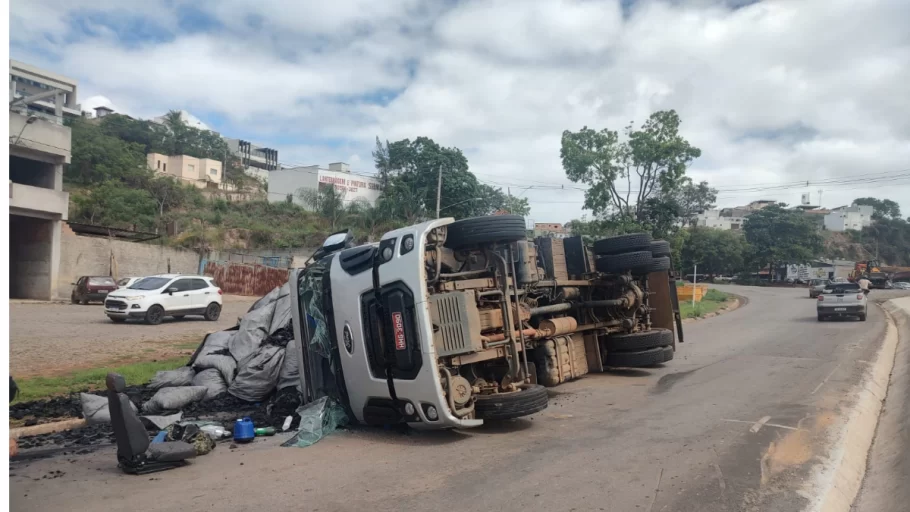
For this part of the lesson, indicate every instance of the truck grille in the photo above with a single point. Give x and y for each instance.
(456, 324)
(115, 304)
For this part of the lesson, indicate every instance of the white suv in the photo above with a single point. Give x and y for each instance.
(156, 297)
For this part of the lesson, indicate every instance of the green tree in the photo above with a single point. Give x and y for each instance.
(112, 204)
(653, 159)
(715, 251)
(780, 236)
(98, 157)
(517, 205)
(409, 172)
(882, 208)
(327, 201)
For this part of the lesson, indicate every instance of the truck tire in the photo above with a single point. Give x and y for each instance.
(639, 340)
(484, 230)
(639, 359)
(506, 406)
(623, 243)
(637, 262)
(660, 248)
(661, 264)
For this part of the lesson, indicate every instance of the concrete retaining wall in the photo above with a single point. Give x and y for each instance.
(94, 256)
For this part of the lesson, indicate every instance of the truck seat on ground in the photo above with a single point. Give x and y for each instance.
(135, 453)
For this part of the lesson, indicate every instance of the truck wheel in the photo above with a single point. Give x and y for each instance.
(661, 264)
(639, 359)
(485, 230)
(506, 406)
(637, 262)
(660, 248)
(639, 340)
(623, 243)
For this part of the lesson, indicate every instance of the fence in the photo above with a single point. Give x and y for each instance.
(246, 279)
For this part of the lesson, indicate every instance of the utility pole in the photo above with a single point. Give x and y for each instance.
(438, 191)
(510, 200)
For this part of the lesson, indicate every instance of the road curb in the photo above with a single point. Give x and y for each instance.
(853, 442)
(738, 302)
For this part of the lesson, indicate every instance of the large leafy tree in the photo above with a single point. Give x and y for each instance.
(98, 157)
(882, 208)
(777, 235)
(626, 176)
(409, 171)
(715, 251)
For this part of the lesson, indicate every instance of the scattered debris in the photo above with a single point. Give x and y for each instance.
(262, 384)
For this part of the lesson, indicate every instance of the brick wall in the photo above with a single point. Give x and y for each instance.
(94, 256)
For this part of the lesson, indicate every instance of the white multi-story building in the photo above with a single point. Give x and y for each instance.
(849, 217)
(256, 161)
(57, 94)
(294, 182)
(726, 218)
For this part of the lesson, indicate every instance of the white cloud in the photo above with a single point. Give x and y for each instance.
(773, 92)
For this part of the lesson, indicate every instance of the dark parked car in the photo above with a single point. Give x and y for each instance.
(89, 288)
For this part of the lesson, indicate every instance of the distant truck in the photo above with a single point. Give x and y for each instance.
(449, 323)
(872, 271)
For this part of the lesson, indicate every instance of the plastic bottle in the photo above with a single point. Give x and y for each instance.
(265, 431)
(216, 431)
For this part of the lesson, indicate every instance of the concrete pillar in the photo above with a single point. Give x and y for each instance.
(58, 106)
(55, 227)
(58, 177)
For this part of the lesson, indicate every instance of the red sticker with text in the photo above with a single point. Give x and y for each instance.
(398, 325)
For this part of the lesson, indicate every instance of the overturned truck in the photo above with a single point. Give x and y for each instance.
(450, 323)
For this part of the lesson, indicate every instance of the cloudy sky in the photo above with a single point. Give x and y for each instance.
(777, 94)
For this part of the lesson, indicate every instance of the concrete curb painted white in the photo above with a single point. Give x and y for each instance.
(841, 480)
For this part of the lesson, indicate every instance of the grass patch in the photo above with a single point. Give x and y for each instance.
(711, 302)
(135, 373)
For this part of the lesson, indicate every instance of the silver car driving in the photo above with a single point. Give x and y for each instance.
(842, 299)
(816, 286)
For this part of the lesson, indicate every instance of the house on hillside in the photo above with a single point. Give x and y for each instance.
(854, 217)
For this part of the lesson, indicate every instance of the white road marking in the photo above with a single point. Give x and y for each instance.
(758, 424)
(822, 383)
(764, 424)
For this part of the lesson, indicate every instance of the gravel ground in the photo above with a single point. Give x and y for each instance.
(48, 339)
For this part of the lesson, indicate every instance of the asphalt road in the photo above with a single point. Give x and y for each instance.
(736, 422)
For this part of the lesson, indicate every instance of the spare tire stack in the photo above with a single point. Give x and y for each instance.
(637, 254)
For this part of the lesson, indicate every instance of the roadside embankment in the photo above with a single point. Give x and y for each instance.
(884, 487)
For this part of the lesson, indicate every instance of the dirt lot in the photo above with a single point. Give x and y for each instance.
(49, 339)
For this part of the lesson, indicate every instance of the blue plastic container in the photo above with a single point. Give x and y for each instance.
(244, 431)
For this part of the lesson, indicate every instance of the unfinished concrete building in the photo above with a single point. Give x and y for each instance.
(39, 146)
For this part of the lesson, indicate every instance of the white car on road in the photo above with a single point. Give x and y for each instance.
(842, 299)
(155, 297)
